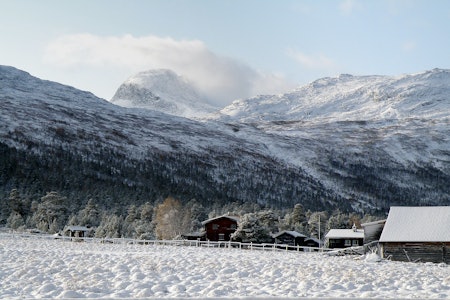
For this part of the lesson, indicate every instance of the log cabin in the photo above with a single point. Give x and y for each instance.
(291, 238)
(417, 234)
(77, 231)
(220, 228)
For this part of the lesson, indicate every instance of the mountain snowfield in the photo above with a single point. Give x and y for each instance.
(351, 142)
(34, 268)
(353, 98)
(162, 90)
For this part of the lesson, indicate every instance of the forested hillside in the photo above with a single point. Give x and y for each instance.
(54, 138)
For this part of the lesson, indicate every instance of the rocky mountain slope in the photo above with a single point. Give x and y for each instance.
(164, 91)
(54, 137)
(361, 143)
(359, 134)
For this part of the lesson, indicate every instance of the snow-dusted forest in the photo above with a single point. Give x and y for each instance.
(47, 268)
(168, 219)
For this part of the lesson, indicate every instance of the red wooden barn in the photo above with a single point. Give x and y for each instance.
(220, 228)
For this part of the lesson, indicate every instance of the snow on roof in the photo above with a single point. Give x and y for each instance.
(77, 228)
(234, 218)
(417, 224)
(379, 222)
(292, 233)
(314, 240)
(345, 234)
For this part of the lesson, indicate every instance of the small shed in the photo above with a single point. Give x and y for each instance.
(77, 231)
(372, 230)
(312, 242)
(291, 238)
(344, 238)
(417, 234)
(220, 228)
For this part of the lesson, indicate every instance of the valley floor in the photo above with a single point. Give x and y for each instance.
(48, 268)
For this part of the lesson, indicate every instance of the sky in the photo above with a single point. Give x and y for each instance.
(228, 49)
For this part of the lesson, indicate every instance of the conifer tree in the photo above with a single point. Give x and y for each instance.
(51, 213)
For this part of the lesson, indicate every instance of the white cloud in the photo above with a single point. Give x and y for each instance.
(220, 78)
(409, 46)
(347, 7)
(315, 61)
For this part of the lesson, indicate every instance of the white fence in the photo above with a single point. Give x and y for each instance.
(175, 243)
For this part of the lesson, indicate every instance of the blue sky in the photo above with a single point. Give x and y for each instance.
(229, 49)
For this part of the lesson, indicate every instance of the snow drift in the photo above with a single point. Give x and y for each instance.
(37, 268)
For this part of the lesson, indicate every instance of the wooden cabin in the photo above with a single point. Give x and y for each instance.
(291, 238)
(220, 228)
(77, 231)
(417, 234)
(344, 238)
(373, 230)
(312, 242)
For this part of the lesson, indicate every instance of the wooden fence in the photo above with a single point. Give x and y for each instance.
(175, 243)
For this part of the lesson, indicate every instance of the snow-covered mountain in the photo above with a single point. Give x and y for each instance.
(55, 137)
(390, 144)
(162, 90)
(353, 98)
(346, 129)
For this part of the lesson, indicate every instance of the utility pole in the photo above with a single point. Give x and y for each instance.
(319, 230)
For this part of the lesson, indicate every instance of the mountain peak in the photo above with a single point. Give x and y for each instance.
(162, 90)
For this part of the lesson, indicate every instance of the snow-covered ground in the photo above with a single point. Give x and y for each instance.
(47, 268)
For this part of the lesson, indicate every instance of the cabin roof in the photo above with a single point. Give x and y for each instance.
(76, 228)
(417, 224)
(233, 218)
(292, 233)
(314, 240)
(345, 234)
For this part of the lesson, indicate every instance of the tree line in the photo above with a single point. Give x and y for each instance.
(170, 218)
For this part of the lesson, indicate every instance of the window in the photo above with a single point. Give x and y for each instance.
(355, 243)
(221, 237)
(215, 226)
(348, 243)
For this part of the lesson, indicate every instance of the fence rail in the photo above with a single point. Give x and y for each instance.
(188, 243)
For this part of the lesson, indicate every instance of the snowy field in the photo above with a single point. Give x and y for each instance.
(47, 268)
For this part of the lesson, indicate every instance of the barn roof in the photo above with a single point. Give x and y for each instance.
(345, 234)
(292, 233)
(417, 224)
(233, 218)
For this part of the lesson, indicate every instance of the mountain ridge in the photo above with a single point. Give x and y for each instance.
(349, 97)
(55, 137)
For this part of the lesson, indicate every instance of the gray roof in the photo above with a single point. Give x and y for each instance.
(292, 233)
(76, 228)
(234, 218)
(345, 234)
(379, 222)
(417, 224)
